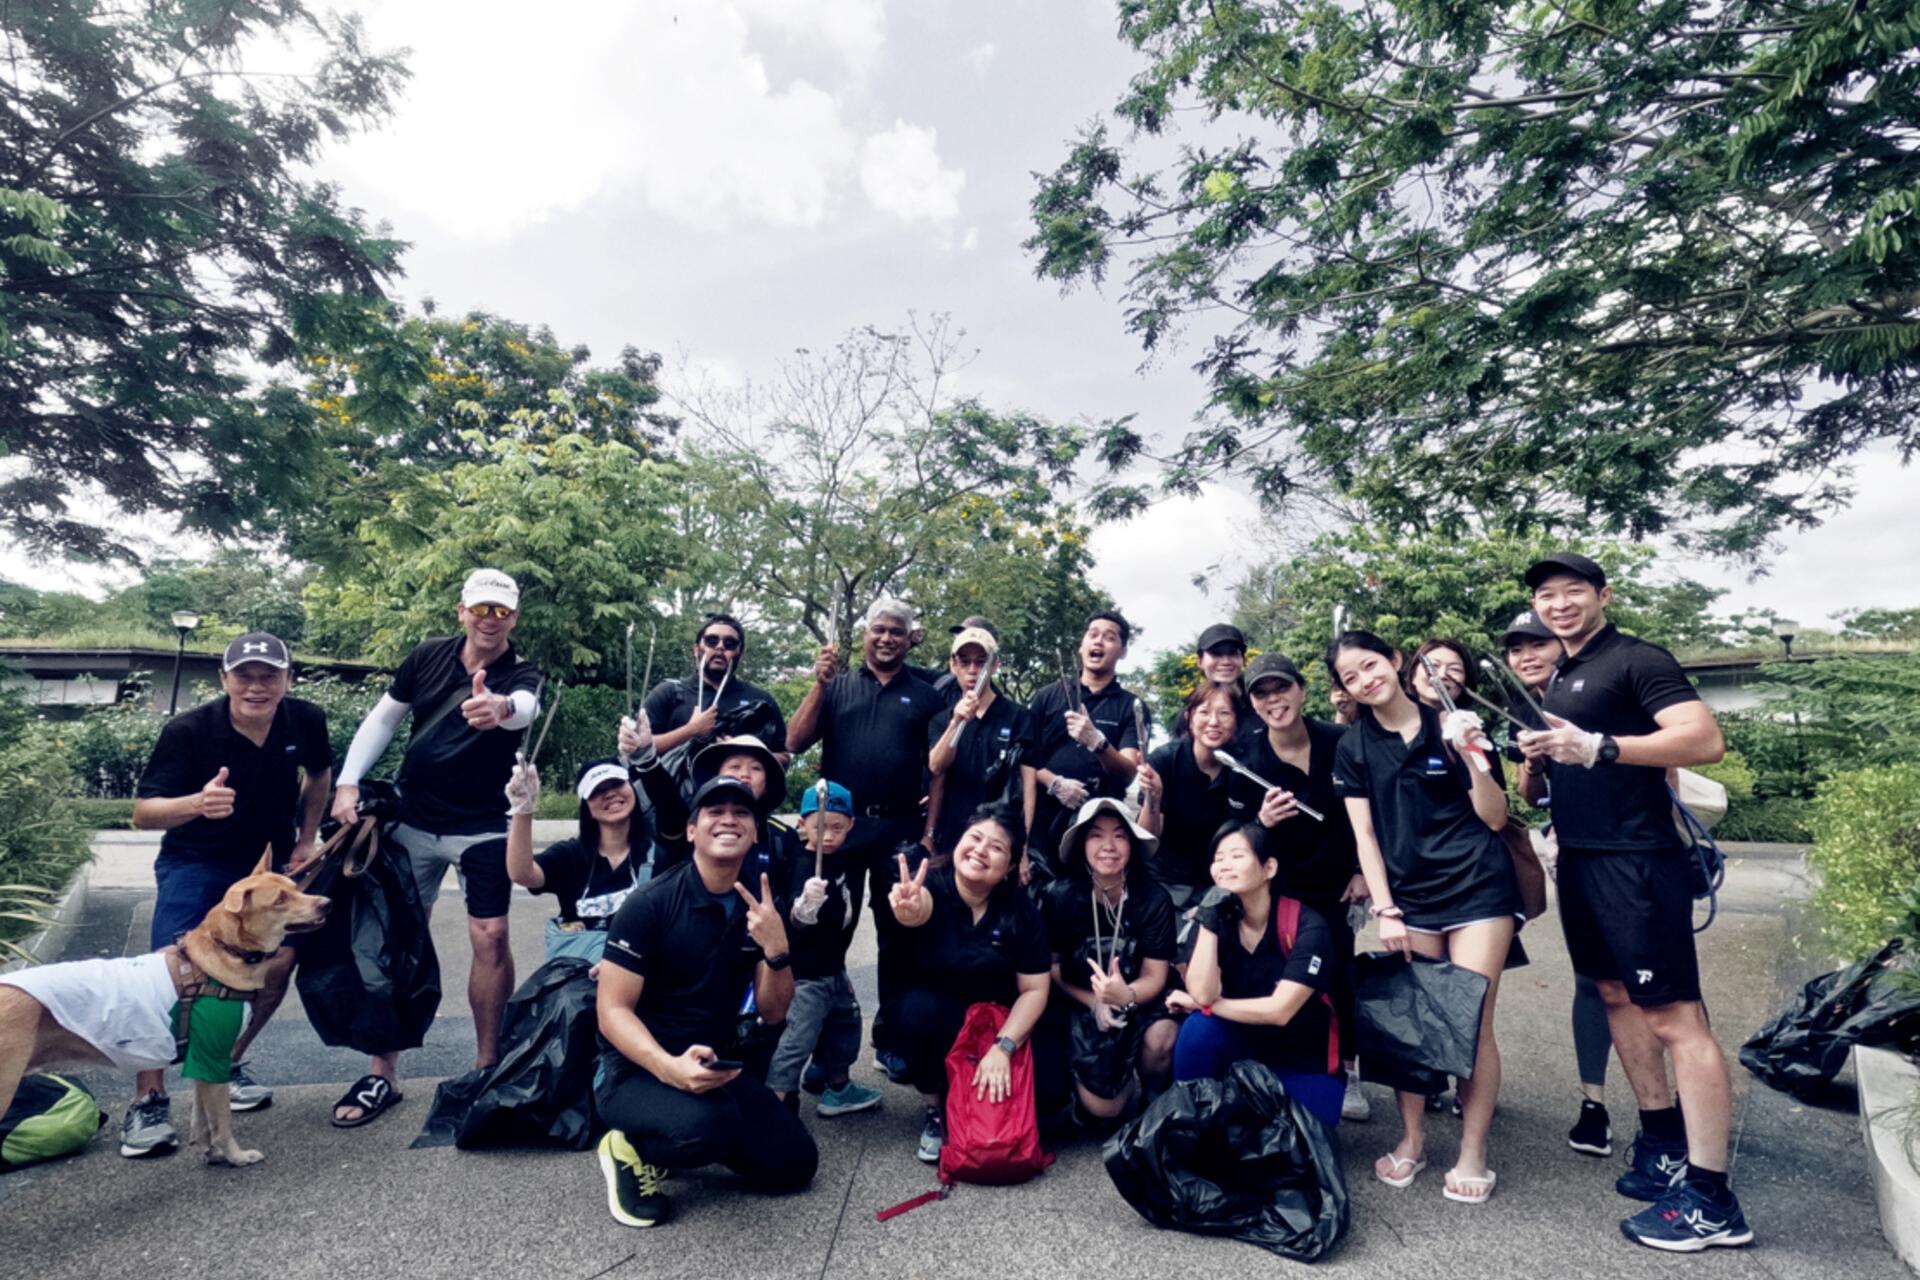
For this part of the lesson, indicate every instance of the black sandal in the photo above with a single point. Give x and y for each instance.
(372, 1094)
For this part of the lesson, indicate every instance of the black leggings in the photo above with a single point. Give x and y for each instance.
(930, 1021)
(740, 1125)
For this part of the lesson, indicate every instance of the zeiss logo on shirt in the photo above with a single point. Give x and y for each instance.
(1435, 766)
(904, 698)
(1313, 965)
(1578, 685)
(1006, 731)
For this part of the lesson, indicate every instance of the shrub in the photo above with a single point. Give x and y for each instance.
(1866, 827)
(1732, 772)
(1767, 820)
(42, 840)
(111, 745)
(104, 815)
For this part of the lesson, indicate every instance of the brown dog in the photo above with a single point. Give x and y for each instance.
(121, 1011)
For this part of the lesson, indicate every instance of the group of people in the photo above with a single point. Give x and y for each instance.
(1140, 915)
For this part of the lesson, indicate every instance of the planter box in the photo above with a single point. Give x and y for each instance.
(1887, 1080)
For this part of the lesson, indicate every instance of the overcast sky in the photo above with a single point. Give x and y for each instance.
(738, 178)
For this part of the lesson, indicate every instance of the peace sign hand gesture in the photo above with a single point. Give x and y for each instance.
(909, 900)
(1107, 985)
(764, 925)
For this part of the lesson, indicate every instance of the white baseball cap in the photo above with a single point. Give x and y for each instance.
(490, 586)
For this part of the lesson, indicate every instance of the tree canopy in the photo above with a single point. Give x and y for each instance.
(1617, 266)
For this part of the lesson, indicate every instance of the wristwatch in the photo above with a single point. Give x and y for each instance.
(1609, 749)
(1004, 1045)
(779, 962)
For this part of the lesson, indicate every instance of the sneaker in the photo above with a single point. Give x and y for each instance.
(891, 1065)
(848, 1098)
(244, 1093)
(148, 1127)
(1591, 1134)
(1687, 1220)
(1657, 1170)
(633, 1186)
(1354, 1105)
(933, 1137)
(813, 1080)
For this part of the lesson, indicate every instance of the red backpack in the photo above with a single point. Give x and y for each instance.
(990, 1142)
(1286, 923)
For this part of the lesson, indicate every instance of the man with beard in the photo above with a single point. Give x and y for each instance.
(1087, 739)
(681, 711)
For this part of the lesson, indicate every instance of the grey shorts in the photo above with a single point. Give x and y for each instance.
(481, 862)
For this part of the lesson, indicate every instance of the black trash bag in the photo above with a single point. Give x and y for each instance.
(1806, 1044)
(1415, 1021)
(540, 1093)
(1234, 1157)
(368, 977)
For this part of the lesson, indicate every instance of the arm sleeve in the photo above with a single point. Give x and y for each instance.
(1659, 681)
(371, 738)
(169, 768)
(525, 708)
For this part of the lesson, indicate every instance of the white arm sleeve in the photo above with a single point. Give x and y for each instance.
(371, 739)
(525, 708)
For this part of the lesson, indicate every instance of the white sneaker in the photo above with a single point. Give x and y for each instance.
(1354, 1105)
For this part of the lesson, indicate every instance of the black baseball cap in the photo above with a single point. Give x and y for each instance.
(969, 623)
(1220, 633)
(1564, 562)
(724, 790)
(257, 646)
(1526, 625)
(1270, 666)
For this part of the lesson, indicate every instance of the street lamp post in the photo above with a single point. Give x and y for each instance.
(184, 621)
(1786, 629)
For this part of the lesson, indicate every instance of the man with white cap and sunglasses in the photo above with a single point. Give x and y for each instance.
(471, 698)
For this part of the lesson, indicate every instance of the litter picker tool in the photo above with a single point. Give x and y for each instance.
(1141, 728)
(1227, 759)
(528, 757)
(646, 680)
(820, 829)
(1069, 681)
(1499, 710)
(1480, 760)
(629, 671)
(986, 677)
(1500, 672)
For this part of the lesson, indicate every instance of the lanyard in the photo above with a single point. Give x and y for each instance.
(1119, 915)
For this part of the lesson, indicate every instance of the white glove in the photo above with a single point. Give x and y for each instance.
(1463, 729)
(636, 737)
(812, 898)
(1564, 743)
(1070, 792)
(1082, 729)
(523, 789)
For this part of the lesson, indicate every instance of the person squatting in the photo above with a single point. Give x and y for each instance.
(1142, 914)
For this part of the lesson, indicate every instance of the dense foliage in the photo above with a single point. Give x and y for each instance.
(1866, 828)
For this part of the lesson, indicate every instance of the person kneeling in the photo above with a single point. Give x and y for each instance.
(1262, 964)
(680, 954)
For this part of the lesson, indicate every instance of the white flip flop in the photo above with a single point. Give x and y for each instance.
(1399, 1181)
(1464, 1180)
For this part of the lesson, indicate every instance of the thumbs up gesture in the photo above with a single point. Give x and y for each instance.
(216, 798)
(484, 710)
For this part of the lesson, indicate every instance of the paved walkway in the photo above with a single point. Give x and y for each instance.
(331, 1204)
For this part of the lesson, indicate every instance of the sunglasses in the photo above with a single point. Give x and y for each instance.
(490, 611)
(725, 643)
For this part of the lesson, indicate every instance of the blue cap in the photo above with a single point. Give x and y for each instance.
(839, 800)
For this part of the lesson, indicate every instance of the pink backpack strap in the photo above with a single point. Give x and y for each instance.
(1286, 922)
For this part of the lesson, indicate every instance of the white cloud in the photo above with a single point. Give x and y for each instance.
(901, 173)
(982, 57)
(1147, 564)
(852, 30)
(971, 240)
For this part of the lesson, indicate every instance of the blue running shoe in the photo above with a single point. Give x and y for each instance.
(891, 1064)
(1687, 1221)
(1657, 1170)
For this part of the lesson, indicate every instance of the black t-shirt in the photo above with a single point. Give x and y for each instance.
(1615, 685)
(820, 949)
(1146, 927)
(1193, 807)
(589, 889)
(985, 762)
(874, 738)
(195, 745)
(974, 962)
(451, 778)
(1305, 1043)
(696, 955)
(1444, 864)
(744, 709)
(1317, 859)
(1112, 710)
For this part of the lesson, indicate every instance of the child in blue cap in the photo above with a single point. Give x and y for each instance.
(823, 1022)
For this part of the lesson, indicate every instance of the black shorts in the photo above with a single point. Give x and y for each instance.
(1628, 917)
(1103, 1062)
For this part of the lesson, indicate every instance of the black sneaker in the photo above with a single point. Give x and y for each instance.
(633, 1186)
(244, 1093)
(148, 1128)
(933, 1137)
(1687, 1220)
(1657, 1170)
(1591, 1134)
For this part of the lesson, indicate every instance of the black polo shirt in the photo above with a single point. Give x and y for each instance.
(744, 709)
(696, 955)
(1317, 859)
(589, 889)
(970, 962)
(1615, 685)
(195, 745)
(874, 739)
(451, 779)
(1054, 751)
(1193, 807)
(985, 761)
(1146, 928)
(1444, 864)
(1305, 1043)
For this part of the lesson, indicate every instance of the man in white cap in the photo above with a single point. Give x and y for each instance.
(471, 698)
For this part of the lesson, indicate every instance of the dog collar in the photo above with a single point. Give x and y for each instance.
(244, 957)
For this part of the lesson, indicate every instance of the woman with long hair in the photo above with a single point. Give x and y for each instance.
(590, 873)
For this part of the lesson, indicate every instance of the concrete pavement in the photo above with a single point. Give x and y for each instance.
(336, 1204)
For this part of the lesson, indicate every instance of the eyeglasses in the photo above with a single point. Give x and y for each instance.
(727, 643)
(500, 611)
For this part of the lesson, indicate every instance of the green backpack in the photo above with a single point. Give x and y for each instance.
(50, 1116)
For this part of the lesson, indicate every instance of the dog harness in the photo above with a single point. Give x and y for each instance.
(207, 1020)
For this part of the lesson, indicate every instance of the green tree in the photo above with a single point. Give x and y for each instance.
(1881, 624)
(159, 236)
(237, 589)
(1615, 266)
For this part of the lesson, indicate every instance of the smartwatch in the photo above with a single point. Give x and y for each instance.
(779, 962)
(1004, 1045)
(1609, 749)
